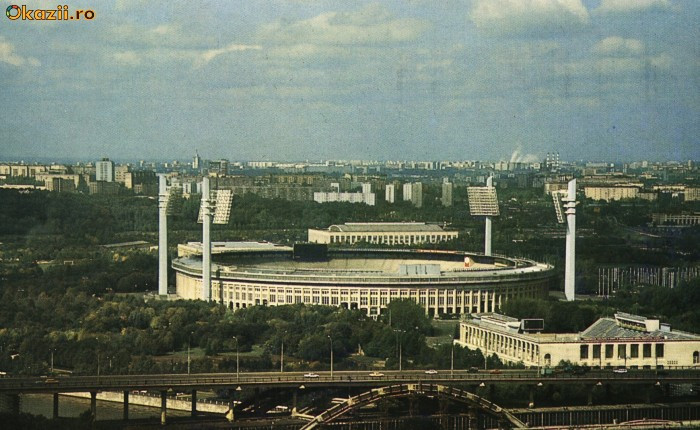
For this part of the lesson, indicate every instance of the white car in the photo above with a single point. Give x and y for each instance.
(431, 372)
(620, 370)
(376, 374)
(311, 375)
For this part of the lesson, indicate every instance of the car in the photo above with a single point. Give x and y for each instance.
(376, 374)
(473, 370)
(620, 370)
(431, 372)
(311, 375)
(495, 371)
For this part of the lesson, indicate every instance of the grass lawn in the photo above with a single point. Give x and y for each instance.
(443, 330)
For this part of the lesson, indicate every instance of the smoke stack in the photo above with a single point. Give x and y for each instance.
(570, 264)
(163, 237)
(487, 235)
(206, 240)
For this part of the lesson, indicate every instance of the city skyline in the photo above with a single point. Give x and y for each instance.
(297, 80)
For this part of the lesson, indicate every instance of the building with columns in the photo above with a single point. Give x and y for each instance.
(625, 340)
(390, 233)
(442, 282)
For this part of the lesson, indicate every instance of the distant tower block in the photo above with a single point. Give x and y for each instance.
(206, 211)
(390, 195)
(483, 201)
(570, 264)
(162, 237)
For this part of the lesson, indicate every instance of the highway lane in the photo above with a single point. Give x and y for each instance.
(183, 382)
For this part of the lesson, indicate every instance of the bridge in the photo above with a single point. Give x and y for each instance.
(441, 383)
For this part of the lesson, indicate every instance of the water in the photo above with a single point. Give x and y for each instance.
(70, 407)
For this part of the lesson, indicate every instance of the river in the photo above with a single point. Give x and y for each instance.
(42, 404)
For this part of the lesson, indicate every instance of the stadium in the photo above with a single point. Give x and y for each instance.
(443, 282)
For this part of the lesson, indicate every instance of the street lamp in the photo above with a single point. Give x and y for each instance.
(52, 350)
(331, 338)
(284, 333)
(189, 342)
(237, 369)
(399, 341)
(97, 351)
(282, 357)
(452, 360)
(486, 351)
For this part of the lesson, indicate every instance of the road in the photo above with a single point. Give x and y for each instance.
(181, 382)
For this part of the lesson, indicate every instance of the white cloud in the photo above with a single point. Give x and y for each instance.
(612, 66)
(370, 25)
(618, 46)
(128, 58)
(626, 6)
(539, 17)
(210, 54)
(164, 35)
(7, 55)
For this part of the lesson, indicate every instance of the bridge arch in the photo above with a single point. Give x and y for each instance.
(404, 390)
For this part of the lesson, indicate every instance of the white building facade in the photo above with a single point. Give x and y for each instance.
(390, 233)
(104, 170)
(626, 340)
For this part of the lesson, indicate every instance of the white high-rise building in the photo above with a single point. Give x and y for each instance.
(390, 193)
(407, 192)
(417, 194)
(104, 170)
(446, 194)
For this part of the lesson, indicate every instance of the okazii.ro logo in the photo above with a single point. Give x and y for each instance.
(61, 13)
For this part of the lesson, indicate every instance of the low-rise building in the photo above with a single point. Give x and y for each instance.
(391, 233)
(611, 193)
(104, 187)
(49, 179)
(327, 197)
(676, 219)
(623, 341)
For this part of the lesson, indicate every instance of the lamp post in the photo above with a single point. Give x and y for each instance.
(331, 338)
(97, 351)
(486, 352)
(237, 368)
(189, 342)
(282, 357)
(52, 350)
(452, 360)
(399, 341)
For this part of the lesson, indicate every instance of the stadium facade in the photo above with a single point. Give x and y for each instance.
(443, 282)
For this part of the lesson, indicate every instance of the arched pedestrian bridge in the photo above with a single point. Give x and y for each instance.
(405, 390)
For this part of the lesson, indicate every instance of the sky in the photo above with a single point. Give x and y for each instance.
(393, 80)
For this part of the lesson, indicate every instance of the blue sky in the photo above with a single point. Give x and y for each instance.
(306, 79)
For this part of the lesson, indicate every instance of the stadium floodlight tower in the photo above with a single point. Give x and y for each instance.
(484, 202)
(569, 197)
(167, 197)
(216, 207)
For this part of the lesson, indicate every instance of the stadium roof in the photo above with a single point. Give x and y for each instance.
(402, 227)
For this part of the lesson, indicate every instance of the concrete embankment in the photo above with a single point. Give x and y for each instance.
(154, 401)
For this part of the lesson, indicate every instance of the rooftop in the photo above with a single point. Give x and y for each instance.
(195, 248)
(602, 329)
(408, 227)
(609, 328)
